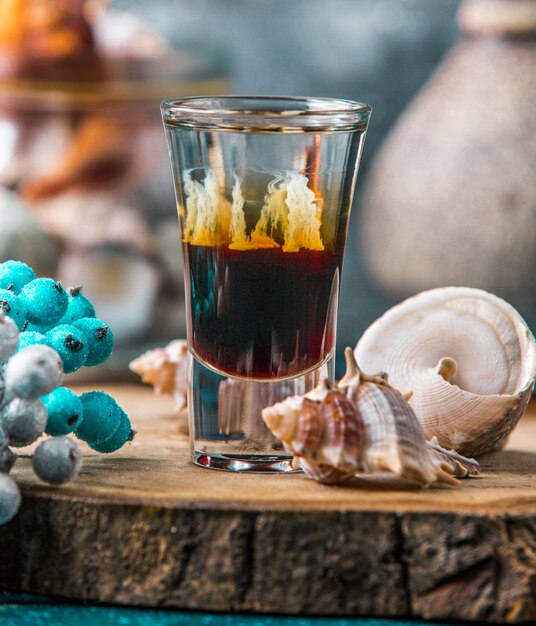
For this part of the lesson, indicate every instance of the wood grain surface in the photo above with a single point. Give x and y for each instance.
(143, 526)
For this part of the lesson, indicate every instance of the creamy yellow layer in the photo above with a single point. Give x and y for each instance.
(290, 207)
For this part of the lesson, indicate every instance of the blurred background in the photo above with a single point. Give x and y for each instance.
(87, 190)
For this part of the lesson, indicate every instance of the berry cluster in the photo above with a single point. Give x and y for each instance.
(44, 333)
(48, 315)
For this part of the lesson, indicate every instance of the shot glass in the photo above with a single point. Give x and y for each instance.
(264, 187)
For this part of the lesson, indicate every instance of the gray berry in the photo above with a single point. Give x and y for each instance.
(33, 372)
(9, 337)
(57, 460)
(9, 498)
(23, 421)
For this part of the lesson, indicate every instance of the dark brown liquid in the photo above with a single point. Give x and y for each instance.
(262, 313)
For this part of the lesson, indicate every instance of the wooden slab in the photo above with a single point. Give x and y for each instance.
(143, 526)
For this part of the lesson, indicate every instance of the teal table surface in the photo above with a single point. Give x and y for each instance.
(29, 610)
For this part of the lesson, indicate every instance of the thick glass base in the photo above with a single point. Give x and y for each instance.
(246, 463)
(227, 431)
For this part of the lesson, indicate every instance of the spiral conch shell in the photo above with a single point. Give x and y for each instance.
(362, 425)
(454, 463)
(467, 357)
(166, 369)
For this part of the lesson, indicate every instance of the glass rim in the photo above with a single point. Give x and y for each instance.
(250, 113)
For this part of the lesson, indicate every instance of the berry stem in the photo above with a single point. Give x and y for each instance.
(101, 332)
(73, 344)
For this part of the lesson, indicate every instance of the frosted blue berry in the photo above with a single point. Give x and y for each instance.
(79, 306)
(23, 421)
(100, 339)
(57, 460)
(123, 434)
(64, 410)
(31, 338)
(32, 372)
(101, 418)
(9, 337)
(9, 498)
(13, 306)
(7, 457)
(36, 328)
(71, 344)
(45, 300)
(14, 275)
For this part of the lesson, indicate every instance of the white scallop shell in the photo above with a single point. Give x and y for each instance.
(468, 358)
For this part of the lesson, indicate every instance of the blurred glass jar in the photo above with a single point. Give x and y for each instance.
(87, 161)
